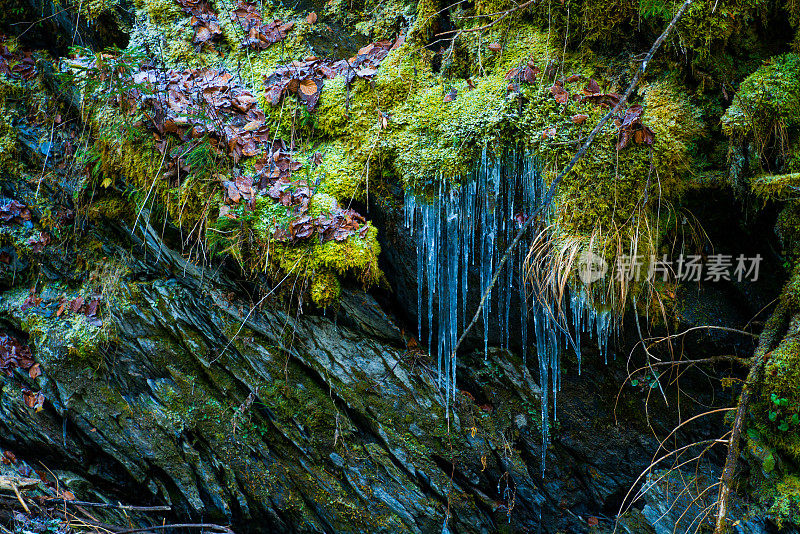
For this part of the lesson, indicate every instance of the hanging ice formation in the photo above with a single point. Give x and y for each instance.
(469, 226)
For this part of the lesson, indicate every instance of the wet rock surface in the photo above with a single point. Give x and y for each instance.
(194, 388)
(273, 419)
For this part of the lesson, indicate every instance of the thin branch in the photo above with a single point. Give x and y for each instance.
(114, 506)
(200, 526)
(503, 14)
(552, 189)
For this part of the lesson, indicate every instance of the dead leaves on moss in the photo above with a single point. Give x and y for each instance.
(12, 212)
(14, 354)
(305, 79)
(204, 20)
(79, 305)
(632, 129)
(526, 73)
(208, 106)
(629, 124)
(38, 242)
(203, 103)
(16, 65)
(258, 36)
(337, 225)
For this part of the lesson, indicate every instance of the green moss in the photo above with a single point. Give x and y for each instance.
(776, 410)
(325, 289)
(776, 186)
(321, 262)
(767, 101)
(51, 333)
(92, 9)
(322, 204)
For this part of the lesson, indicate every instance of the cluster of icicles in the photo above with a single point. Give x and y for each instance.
(467, 228)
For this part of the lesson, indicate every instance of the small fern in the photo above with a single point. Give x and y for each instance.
(201, 159)
(655, 9)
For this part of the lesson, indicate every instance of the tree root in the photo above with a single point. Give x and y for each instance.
(769, 339)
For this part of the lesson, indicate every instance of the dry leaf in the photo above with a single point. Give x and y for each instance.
(35, 371)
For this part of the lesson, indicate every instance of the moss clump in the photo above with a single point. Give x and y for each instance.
(320, 263)
(763, 124)
(776, 412)
(786, 505)
(767, 98)
(325, 289)
(92, 9)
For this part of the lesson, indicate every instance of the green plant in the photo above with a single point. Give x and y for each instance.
(779, 415)
(655, 9)
(107, 74)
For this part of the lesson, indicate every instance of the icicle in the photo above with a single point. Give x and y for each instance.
(445, 230)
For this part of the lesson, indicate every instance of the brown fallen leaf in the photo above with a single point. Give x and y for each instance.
(559, 93)
(580, 118)
(311, 18)
(35, 371)
(495, 47)
(592, 87)
(308, 86)
(451, 95)
(33, 399)
(253, 125)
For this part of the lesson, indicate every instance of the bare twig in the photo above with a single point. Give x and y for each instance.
(578, 155)
(21, 501)
(201, 526)
(503, 14)
(114, 506)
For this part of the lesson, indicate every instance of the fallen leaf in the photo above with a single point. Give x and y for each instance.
(33, 399)
(91, 308)
(311, 18)
(76, 304)
(253, 125)
(308, 86)
(580, 118)
(560, 94)
(35, 371)
(592, 87)
(495, 47)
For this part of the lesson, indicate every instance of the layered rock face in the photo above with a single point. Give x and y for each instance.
(212, 300)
